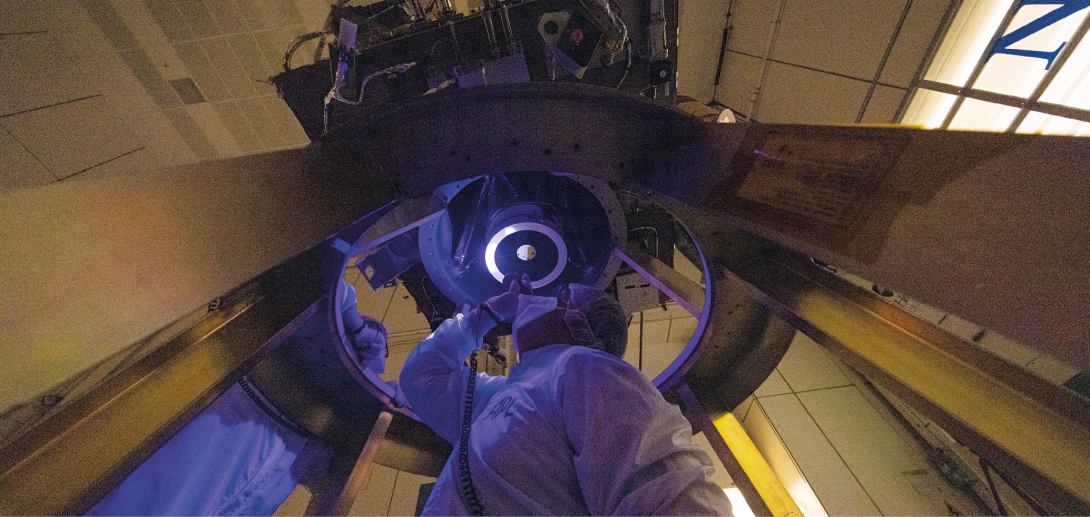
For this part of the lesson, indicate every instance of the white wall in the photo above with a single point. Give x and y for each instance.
(824, 58)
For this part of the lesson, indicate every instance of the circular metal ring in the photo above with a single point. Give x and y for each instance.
(490, 251)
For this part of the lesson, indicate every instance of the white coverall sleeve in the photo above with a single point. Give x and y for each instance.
(633, 450)
(434, 376)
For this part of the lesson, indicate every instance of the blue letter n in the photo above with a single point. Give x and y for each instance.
(1064, 10)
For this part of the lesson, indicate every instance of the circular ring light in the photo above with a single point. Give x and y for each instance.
(494, 243)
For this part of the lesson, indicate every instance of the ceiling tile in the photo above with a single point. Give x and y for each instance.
(22, 16)
(699, 34)
(883, 105)
(237, 83)
(170, 20)
(915, 36)
(740, 76)
(285, 121)
(262, 123)
(201, 70)
(253, 61)
(191, 133)
(136, 161)
(847, 37)
(148, 75)
(19, 168)
(198, 18)
(834, 484)
(111, 25)
(228, 16)
(235, 120)
(33, 77)
(73, 137)
(826, 99)
(209, 119)
(751, 25)
(773, 385)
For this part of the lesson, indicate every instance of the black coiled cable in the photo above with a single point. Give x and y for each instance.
(472, 501)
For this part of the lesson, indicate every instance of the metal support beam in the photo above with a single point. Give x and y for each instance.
(762, 489)
(688, 294)
(68, 462)
(1036, 432)
(345, 479)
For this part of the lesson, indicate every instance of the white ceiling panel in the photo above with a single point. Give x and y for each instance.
(740, 76)
(751, 22)
(699, 34)
(847, 37)
(883, 105)
(793, 95)
(919, 29)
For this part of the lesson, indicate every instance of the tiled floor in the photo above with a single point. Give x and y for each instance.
(823, 437)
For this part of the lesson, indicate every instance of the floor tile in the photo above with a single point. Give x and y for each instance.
(774, 450)
(73, 137)
(774, 385)
(834, 484)
(406, 492)
(374, 499)
(807, 366)
(874, 452)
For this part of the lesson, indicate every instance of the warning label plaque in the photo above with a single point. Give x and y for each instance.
(816, 178)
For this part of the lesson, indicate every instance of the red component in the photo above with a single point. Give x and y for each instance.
(576, 36)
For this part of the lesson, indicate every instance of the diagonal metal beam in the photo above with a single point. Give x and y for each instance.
(1036, 432)
(67, 463)
(688, 294)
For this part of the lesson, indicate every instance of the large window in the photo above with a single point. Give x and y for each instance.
(1009, 65)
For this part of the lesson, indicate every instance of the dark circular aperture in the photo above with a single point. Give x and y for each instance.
(539, 249)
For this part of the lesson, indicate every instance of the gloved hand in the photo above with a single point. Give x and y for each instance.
(506, 305)
(369, 342)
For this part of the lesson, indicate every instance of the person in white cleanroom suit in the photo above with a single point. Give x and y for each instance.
(241, 455)
(573, 430)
